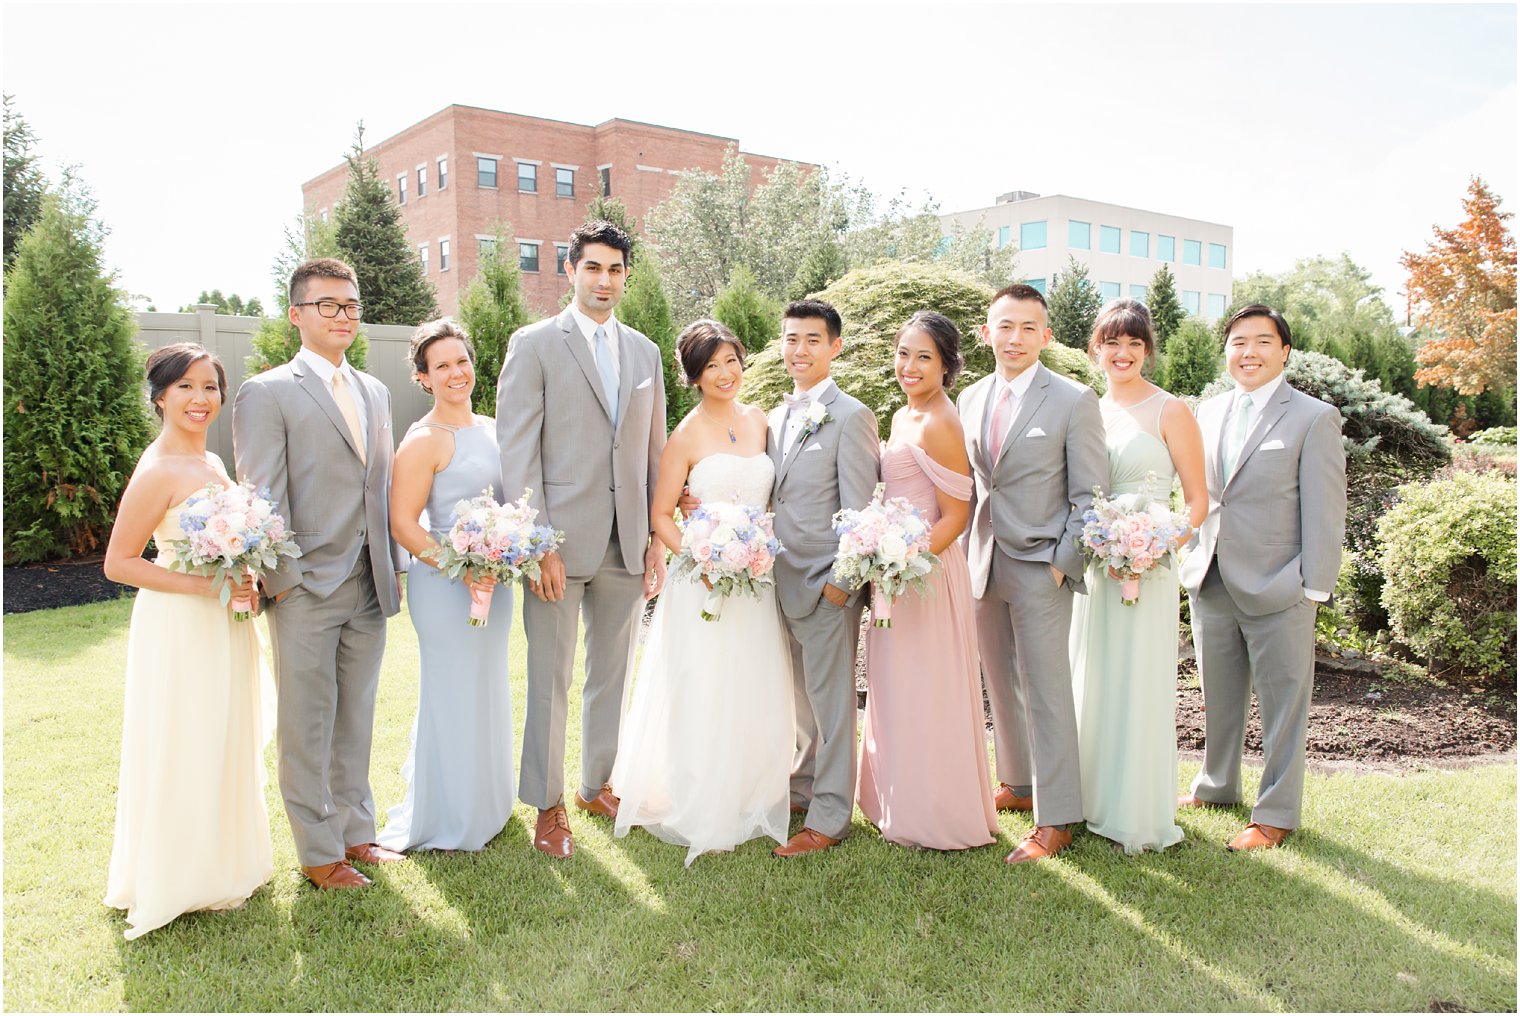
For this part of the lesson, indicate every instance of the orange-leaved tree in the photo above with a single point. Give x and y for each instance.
(1464, 286)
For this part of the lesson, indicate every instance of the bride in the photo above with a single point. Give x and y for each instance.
(706, 752)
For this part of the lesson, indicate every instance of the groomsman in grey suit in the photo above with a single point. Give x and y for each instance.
(827, 457)
(580, 417)
(1267, 554)
(1035, 440)
(317, 433)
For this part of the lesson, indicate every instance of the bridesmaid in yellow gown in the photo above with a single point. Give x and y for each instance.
(192, 832)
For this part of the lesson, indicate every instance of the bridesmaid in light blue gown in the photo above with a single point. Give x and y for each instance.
(461, 779)
(1124, 658)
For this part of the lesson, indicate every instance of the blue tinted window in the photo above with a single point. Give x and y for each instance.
(1078, 235)
(1190, 301)
(943, 247)
(1108, 239)
(1036, 283)
(1109, 290)
(1192, 252)
(1166, 248)
(1003, 236)
(1216, 305)
(1139, 244)
(1137, 292)
(1216, 255)
(1032, 235)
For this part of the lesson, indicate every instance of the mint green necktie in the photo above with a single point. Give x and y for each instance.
(1244, 410)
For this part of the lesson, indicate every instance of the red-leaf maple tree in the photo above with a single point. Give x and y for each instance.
(1464, 287)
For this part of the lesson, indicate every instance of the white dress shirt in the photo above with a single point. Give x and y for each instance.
(324, 369)
(796, 418)
(588, 329)
(1016, 390)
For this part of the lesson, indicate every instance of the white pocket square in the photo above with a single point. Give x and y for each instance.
(1271, 446)
(643, 384)
(1037, 432)
(816, 446)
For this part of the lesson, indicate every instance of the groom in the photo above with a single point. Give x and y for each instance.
(824, 446)
(580, 418)
(1036, 445)
(1266, 556)
(317, 433)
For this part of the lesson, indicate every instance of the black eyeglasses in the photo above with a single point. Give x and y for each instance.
(330, 308)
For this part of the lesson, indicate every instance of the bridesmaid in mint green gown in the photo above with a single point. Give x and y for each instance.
(1124, 658)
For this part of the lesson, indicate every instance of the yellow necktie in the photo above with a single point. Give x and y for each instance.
(345, 400)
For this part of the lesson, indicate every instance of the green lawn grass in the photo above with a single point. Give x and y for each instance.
(1398, 894)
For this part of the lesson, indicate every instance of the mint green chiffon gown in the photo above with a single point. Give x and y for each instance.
(1124, 662)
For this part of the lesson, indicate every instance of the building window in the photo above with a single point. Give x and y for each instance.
(401, 189)
(1216, 305)
(1003, 232)
(487, 247)
(561, 255)
(443, 255)
(1108, 239)
(564, 183)
(527, 178)
(1139, 244)
(421, 180)
(1216, 255)
(422, 255)
(1192, 252)
(1108, 290)
(1035, 283)
(1137, 292)
(606, 181)
(527, 257)
(1190, 301)
(1032, 237)
(1166, 248)
(443, 173)
(485, 171)
(1078, 235)
(323, 217)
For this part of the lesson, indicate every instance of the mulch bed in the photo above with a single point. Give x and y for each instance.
(1357, 715)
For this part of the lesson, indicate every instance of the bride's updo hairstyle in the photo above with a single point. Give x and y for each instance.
(167, 364)
(946, 338)
(428, 333)
(697, 344)
(1120, 318)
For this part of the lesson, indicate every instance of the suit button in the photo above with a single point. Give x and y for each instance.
(994, 488)
(616, 445)
(358, 532)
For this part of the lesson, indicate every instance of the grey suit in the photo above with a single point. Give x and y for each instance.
(836, 466)
(329, 631)
(1274, 529)
(592, 477)
(1026, 516)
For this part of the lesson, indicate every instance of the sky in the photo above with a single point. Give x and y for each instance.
(1311, 129)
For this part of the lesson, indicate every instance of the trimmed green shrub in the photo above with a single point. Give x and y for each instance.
(874, 303)
(754, 317)
(646, 308)
(277, 340)
(75, 416)
(1193, 358)
(491, 309)
(1494, 436)
(1448, 558)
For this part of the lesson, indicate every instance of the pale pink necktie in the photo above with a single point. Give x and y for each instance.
(1000, 420)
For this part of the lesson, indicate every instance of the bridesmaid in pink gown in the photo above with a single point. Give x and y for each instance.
(923, 762)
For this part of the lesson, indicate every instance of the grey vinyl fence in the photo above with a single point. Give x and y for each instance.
(231, 339)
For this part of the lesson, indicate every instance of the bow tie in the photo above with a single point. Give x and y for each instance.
(797, 401)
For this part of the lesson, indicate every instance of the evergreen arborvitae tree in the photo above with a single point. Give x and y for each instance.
(1166, 310)
(75, 416)
(754, 317)
(372, 240)
(1074, 305)
(24, 183)
(646, 308)
(1192, 358)
(491, 310)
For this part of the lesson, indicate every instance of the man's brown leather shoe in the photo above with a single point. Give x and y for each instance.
(605, 803)
(338, 875)
(805, 842)
(1258, 837)
(1045, 841)
(372, 853)
(1005, 799)
(799, 809)
(552, 833)
(1194, 801)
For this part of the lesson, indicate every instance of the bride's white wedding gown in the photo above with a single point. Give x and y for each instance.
(706, 750)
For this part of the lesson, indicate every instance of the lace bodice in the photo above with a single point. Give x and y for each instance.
(738, 479)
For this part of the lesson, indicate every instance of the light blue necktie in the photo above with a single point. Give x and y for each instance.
(607, 371)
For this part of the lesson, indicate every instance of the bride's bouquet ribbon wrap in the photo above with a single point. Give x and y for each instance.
(733, 547)
(227, 530)
(500, 540)
(886, 543)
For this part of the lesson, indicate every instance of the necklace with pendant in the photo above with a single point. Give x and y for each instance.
(732, 437)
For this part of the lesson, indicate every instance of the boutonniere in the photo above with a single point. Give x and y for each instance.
(817, 416)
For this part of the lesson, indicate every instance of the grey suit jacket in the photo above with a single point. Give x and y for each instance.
(288, 436)
(837, 466)
(559, 440)
(1029, 503)
(1277, 526)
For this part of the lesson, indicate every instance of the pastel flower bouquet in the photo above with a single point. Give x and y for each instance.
(733, 547)
(500, 540)
(1131, 534)
(886, 543)
(230, 530)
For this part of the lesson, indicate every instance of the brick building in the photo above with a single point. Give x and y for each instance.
(464, 169)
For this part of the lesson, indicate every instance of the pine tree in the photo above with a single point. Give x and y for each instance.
(75, 416)
(1192, 358)
(371, 238)
(754, 317)
(1074, 305)
(24, 183)
(492, 310)
(646, 308)
(1166, 310)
